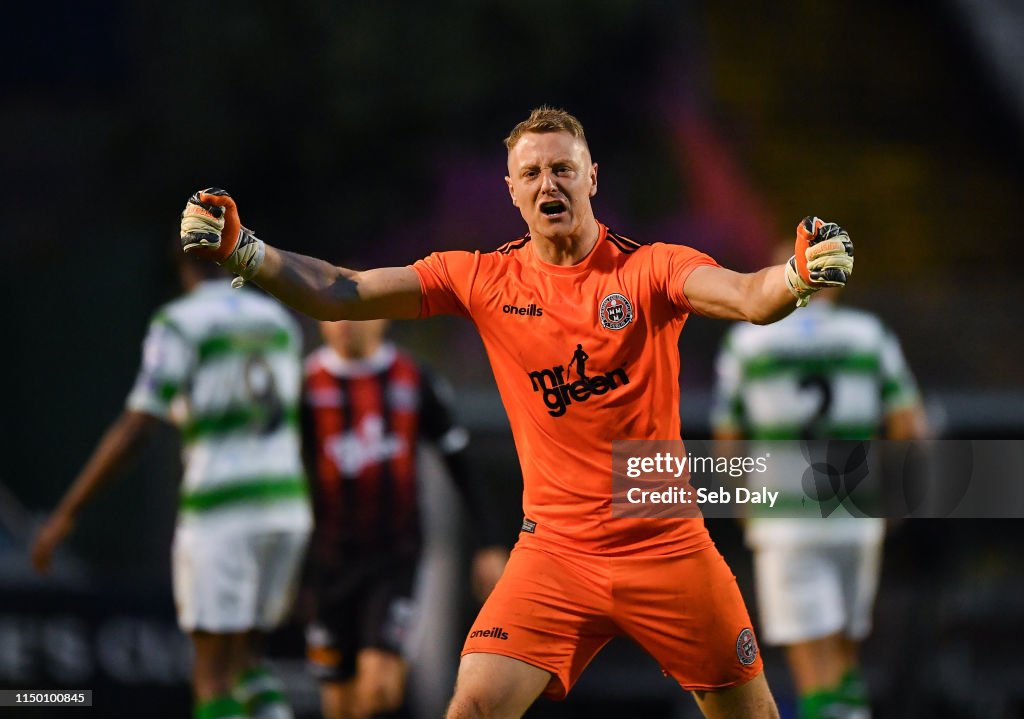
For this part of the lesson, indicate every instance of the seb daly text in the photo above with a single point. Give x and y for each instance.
(667, 478)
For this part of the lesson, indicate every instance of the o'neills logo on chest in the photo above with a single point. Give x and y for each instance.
(531, 310)
(559, 389)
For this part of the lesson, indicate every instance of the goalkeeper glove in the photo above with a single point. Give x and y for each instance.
(824, 258)
(210, 228)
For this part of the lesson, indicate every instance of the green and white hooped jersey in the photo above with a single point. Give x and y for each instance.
(823, 372)
(224, 366)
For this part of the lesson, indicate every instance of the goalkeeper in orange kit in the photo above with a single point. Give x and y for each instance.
(578, 576)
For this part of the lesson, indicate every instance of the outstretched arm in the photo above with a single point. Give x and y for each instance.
(325, 292)
(211, 228)
(823, 257)
(126, 435)
(760, 297)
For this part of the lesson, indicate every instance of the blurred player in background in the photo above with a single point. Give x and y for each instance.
(570, 287)
(224, 367)
(827, 372)
(366, 406)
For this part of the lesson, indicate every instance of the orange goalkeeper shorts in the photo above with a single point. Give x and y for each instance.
(555, 609)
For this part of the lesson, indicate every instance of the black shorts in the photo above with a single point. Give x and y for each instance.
(368, 605)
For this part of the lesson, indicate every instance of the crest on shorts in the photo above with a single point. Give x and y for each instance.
(616, 311)
(746, 647)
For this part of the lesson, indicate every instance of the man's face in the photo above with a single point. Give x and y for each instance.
(551, 179)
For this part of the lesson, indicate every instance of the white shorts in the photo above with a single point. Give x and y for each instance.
(230, 580)
(808, 592)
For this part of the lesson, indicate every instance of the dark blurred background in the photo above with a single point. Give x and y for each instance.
(373, 131)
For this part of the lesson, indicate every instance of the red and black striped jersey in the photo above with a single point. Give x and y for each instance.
(363, 420)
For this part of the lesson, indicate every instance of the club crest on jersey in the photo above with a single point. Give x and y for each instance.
(746, 647)
(616, 311)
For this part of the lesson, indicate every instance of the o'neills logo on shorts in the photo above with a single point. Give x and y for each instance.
(495, 632)
(559, 389)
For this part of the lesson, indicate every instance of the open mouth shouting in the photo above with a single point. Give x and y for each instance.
(553, 209)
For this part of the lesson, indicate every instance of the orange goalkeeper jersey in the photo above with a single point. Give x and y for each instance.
(582, 355)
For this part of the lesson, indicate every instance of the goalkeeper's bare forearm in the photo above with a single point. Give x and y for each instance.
(823, 257)
(211, 228)
(760, 297)
(326, 292)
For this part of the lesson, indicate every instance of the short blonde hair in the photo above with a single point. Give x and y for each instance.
(546, 119)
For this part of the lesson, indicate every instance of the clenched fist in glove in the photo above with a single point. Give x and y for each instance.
(210, 228)
(824, 258)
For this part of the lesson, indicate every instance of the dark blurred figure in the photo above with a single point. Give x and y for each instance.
(367, 406)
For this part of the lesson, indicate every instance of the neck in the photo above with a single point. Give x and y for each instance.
(357, 352)
(567, 250)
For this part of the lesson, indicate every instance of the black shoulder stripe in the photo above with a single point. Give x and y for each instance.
(514, 244)
(628, 241)
(625, 244)
(622, 246)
